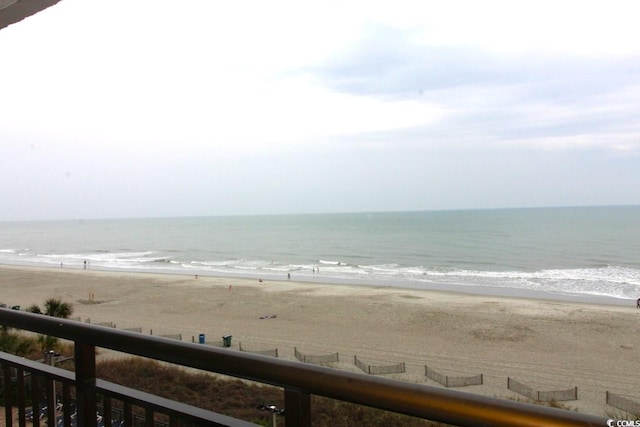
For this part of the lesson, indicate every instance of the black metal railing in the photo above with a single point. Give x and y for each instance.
(300, 381)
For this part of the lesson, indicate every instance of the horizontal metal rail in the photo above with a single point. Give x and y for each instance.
(300, 380)
(167, 406)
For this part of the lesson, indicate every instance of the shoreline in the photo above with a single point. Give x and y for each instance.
(546, 344)
(486, 290)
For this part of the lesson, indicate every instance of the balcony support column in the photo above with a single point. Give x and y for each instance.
(85, 357)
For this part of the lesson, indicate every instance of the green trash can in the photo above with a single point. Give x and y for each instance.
(226, 341)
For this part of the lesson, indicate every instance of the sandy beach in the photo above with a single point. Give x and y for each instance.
(546, 344)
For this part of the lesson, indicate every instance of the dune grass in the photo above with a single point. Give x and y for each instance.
(238, 398)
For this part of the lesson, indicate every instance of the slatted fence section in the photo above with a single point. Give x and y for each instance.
(542, 396)
(272, 352)
(520, 388)
(107, 324)
(624, 403)
(379, 369)
(457, 381)
(172, 336)
(316, 359)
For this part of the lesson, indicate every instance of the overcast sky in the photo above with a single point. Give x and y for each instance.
(155, 108)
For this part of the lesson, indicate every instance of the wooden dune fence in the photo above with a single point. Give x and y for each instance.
(542, 396)
(379, 369)
(172, 336)
(271, 352)
(107, 324)
(621, 402)
(316, 359)
(458, 381)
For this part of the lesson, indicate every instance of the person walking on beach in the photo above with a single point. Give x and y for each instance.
(638, 303)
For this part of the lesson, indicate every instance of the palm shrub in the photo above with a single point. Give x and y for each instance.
(54, 307)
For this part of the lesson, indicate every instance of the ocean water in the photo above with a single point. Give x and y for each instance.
(566, 253)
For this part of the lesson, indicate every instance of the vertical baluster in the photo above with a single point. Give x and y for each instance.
(21, 397)
(66, 404)
(128, 414)
(51, 402)
(106, 416)
(297, 408)
(8, 398)
(149, 415)
(36, 398)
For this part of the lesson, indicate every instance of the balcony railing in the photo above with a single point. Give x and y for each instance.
(298, 380)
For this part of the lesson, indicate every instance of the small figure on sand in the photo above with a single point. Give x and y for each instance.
(85, 264)
(288, 276)
(268, 316)
(638, 303)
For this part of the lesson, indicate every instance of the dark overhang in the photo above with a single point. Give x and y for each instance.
(12, 11)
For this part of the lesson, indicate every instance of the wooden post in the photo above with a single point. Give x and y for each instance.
(85, 357)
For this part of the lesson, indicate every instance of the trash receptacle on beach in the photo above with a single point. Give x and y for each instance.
(201, 338)
(226, 341)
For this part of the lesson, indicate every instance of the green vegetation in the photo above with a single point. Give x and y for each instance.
(54, 307)
(29, 347)
(33, 348)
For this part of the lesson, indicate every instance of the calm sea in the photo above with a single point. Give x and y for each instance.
(569, 253)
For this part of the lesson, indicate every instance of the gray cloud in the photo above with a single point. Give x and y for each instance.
(526, 95)
(392, 62)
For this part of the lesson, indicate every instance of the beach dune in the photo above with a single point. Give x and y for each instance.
(545, 344)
